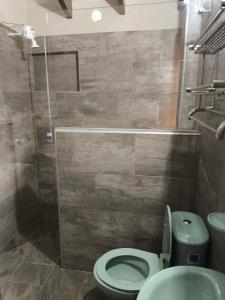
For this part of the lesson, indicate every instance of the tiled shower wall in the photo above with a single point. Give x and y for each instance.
(211, 179)
(127, 80)
(114, 186)
(19, 201)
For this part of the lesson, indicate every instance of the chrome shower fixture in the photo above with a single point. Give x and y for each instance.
(28, 33)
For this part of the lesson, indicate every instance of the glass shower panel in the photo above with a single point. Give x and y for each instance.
(101, 69)
(106, 70)
(44, 110)
(20, 208)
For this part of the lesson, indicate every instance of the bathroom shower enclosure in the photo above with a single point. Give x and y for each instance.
(102, 141)
(101, 102)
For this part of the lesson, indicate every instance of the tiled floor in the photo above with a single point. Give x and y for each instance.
(31, 272)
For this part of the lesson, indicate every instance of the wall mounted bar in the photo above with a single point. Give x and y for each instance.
(215, 88)
(211, 87)
(212, 110)
(212, 39)
(67, 8)
(203, 124)
(219, 132)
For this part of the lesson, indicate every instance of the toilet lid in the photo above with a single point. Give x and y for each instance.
(149, 259)
(167, 238)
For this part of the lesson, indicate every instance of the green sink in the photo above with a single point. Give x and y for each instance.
(184, 283)
(217, 221)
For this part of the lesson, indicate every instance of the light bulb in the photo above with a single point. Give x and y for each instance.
(96, 15)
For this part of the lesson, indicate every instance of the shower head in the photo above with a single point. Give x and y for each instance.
(28, 33)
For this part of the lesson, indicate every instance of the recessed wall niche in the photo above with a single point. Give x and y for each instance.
(63, 71)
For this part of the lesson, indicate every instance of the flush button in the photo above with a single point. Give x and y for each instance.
(187, 222)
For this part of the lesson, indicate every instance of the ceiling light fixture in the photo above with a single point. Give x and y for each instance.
(96, 15)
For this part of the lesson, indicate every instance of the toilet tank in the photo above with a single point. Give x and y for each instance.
(190, 239)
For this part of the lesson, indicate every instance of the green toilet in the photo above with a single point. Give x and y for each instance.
(121, 273)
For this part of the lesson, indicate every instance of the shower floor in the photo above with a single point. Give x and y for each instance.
(31, 271)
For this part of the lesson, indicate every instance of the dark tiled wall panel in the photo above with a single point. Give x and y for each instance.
(108, 198)
(19, 203)
(211, 191)
(211, 178)
(128, 80)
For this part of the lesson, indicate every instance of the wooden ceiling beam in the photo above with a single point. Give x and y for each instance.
(67, 8)
(118, 5)
(123, 4)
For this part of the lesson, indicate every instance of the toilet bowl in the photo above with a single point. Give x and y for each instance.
(122, 272)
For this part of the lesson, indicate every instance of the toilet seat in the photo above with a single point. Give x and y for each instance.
(121, 273)
(149, 260)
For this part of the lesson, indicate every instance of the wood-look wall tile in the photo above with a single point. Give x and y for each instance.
(18, 172)
(105, 225)
(74, 258)
(125, 109)
(14, 71)
(52, 288)
(15, 290)
(119, 62)
(114, 208)
(211, 191)
(168, 155)
(7, 173)
(134, 194)
(96, 153)
(140, 194)
(35, 274)
(83, 255)
(7, 152)
(77, 190)
(41, 109)
(8, 227)
(72, 284)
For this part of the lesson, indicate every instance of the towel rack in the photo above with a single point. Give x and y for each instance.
(212, 39)
(217, 87)
(219, 132)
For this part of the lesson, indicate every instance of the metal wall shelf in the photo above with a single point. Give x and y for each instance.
(212, 39)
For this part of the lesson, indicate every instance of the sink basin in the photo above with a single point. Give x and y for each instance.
(217, 221)
(184, 283)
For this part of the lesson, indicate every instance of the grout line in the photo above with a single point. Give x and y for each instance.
(62, 271)
(46, 280)
(7, 243)
(12, 276)
(85, 284)
(27, 283)
(35, 284)
(40, 263)
(18, 266)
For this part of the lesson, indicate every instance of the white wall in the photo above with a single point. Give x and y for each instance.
(13, 11)
(45, 16)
